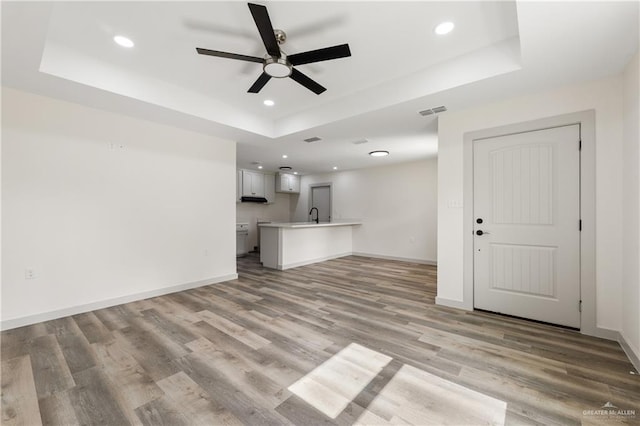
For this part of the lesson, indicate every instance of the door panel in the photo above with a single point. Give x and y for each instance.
(527, 195)
(321, 198)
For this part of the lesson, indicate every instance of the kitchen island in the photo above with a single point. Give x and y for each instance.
(292, 244)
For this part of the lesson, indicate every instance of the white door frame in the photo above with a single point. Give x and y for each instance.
(586, 120)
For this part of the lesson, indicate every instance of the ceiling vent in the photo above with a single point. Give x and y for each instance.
(432, 111)
(360, 142)
(313, 139)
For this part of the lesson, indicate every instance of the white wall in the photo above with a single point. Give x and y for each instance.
(397, 205)
(605, 96)
(631, 208)
(102, 225)
(279, 211)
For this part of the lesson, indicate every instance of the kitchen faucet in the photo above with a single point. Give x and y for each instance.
(317, 214)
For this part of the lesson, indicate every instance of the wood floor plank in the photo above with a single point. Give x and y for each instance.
(200, 370)
(198, 406)
(162, 412)
(19, 397)
(247, 337)
(57, 409)
(95, 401)
(94, 330)
(135, 386)
(50, 369)
(156, 360)
(226, 354)
(15, 342)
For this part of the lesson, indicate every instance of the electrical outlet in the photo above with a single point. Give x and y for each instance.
(29, 273)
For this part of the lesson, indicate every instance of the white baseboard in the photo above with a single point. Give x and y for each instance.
(310, 261)
(451, 303)
(402, 259)
(631, 354)
(603, 333)
(88, 307)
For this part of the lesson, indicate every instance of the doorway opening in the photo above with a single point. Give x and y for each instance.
(320, 198)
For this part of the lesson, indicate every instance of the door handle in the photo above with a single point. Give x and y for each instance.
(481, 232)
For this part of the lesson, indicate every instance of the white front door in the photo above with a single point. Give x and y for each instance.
(526, 225)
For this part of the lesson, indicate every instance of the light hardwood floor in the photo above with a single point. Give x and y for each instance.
(348, 341)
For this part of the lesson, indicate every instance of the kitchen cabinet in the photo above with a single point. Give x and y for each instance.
(252, 184)
(238, 186)
(287, 182)
(270, 188)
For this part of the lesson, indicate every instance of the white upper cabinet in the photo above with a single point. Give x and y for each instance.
(238, 186)
(286, 182)
(252, 184)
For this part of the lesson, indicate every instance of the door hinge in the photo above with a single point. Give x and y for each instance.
(580, 145)
(580, 225)
(579, 305)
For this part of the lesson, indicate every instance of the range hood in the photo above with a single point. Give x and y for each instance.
(253, 199)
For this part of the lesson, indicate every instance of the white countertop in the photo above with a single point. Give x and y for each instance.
(310, 224)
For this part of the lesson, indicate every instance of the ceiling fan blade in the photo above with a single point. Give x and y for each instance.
(229, 55)
(306, 82)
(261, 18)
(325, 54)
(260, 82)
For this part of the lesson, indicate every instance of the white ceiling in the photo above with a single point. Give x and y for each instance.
(397, 68)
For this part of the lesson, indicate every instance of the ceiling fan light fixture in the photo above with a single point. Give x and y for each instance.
(277, 67)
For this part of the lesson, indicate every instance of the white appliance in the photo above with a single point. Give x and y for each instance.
(242, 234)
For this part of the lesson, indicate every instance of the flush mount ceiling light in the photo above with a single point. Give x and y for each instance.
(443, 28)
(379, 153)
(268, 102)
(123, 41)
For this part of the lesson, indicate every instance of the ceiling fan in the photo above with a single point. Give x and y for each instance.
(276, 63)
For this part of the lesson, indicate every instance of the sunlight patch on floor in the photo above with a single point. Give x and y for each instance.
(335, 383)
(416, 397)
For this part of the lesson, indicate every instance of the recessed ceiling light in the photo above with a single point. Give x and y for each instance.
(259, 167)
(269, 102)
(123, 41)
(335, 167)
(285, 156)
(443, 28)
(295, 173)
(379, 153)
